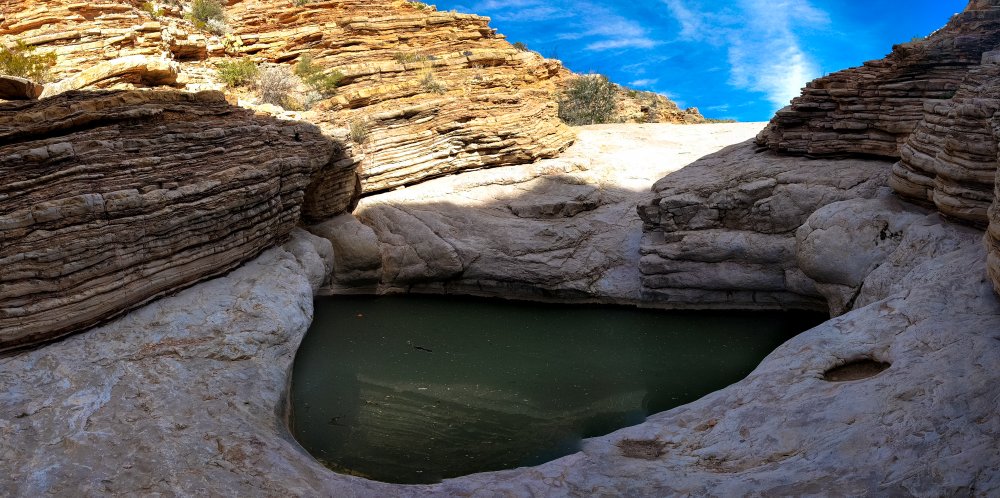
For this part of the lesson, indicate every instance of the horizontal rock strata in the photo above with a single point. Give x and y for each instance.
(950, 160)
(721, 232)
(112, 199)
(425, 93)
(872, 109)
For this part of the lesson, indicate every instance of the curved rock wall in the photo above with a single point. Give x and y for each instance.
(109, 200)
(950, 161)
(872, 109)
(720, 233)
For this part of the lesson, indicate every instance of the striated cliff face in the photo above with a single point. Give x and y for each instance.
(112, 199)
(872, 109)
(753, 227)
(433, 92)
(950, 160)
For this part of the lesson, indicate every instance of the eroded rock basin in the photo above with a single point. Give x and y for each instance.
(413, 389)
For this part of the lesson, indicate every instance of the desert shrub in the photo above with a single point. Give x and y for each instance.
(432, 85)
(276, 85)
(237, 72)
(208, 15)
(313, 76)
(299, 3)
(521, 47)
(22, 61)
(590, 99)
(358, 131)
(405, 57)
(151, 9)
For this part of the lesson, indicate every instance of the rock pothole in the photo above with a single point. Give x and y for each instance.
(863, 368)
(644, 449)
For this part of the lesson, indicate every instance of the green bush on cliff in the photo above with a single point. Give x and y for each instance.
(237, 72)
(313, 76)
(22, 61)
(589, 99)
(208, 15)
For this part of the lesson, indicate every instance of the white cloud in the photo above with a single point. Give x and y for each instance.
(692, 25)
(764, 53)
(644, 82)
(621, 43)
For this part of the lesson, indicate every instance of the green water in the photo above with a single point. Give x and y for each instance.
(415, 389)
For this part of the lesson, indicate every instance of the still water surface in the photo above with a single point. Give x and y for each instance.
(414, 389)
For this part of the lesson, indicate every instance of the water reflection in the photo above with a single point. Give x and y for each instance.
(416, 389)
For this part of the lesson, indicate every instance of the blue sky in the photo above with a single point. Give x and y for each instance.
(740, 59)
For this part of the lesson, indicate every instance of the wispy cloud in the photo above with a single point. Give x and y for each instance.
(647, 82)
(764, 53)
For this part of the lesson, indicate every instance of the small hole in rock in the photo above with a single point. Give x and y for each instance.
(855, 370)
(646, 449)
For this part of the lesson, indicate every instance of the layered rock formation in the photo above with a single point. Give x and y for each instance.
(112, 199)
(429, 93)
(873, 109)
(993, 239)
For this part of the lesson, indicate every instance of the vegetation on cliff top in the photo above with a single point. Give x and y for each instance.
(589, 99)
(22, 61)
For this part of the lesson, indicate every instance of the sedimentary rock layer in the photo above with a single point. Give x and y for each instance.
(111, 199)
(427, 93)
(950, 160)
(872, 109)
(993, 239)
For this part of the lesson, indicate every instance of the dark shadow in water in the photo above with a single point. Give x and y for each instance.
(415, 389)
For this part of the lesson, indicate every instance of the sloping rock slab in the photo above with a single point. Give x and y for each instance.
(14, 88)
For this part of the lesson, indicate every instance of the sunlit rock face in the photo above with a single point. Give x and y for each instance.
(111, 199)
(872, 109)
(425, 93)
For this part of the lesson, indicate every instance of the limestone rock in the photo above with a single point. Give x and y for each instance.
(14, 88)
(112, 199)
(951, 158)
(561, 229)
(872, 109)
(432, 93)
(721, 231)
(357, 261)
(139, 69)
(186, 396)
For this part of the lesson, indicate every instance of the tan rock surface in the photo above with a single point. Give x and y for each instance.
(872, 109)
(435, 92)
(110, 200)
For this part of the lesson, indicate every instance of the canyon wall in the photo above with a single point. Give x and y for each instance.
(111, 199)
(427, 93)
(751, 227)
(873, 109)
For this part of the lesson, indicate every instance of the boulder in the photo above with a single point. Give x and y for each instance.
(14, 88)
